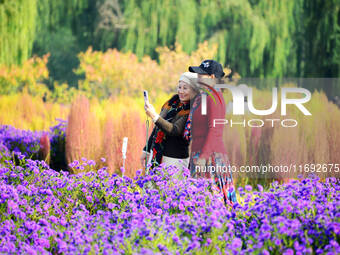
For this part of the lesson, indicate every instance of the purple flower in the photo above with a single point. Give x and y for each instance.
(288, 252)
(175, 239)
(12, 205)
(122, 169)
(236, 243)
(53, 219)
(265, 252)
(49, 192)
(248, 188)
(181, 214)
(74, 164)
(91, 163)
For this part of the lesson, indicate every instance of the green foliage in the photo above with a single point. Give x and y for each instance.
(17, 30)
(321, 42)
(55, 36)
(257, 38)
(62, 46)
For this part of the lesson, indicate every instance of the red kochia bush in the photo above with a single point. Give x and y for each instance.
(128, 125)
(83, 135)
(45, 147)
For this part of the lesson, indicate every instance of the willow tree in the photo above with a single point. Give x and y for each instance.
(53, 16)
(23, 22)
(242, 34)
(17, 30)
(57, 34)
(261, 38)
(150, 24)
(255, 37)
(321, 44)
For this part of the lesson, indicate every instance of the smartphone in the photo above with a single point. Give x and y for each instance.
(146, 96)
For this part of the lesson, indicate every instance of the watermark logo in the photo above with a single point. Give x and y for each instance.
(238, 100)
(242, 104)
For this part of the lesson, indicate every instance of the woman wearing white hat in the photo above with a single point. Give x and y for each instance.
(166, 143)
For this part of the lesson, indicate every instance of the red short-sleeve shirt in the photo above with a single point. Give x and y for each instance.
(205, 137)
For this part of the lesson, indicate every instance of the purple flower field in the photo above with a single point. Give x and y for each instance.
(44, 211)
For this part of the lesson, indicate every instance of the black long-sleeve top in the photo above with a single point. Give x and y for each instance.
(175, 145)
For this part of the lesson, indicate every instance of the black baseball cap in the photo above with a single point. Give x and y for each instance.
(210, 67)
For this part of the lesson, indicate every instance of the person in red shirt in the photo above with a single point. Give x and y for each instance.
(208, 154)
